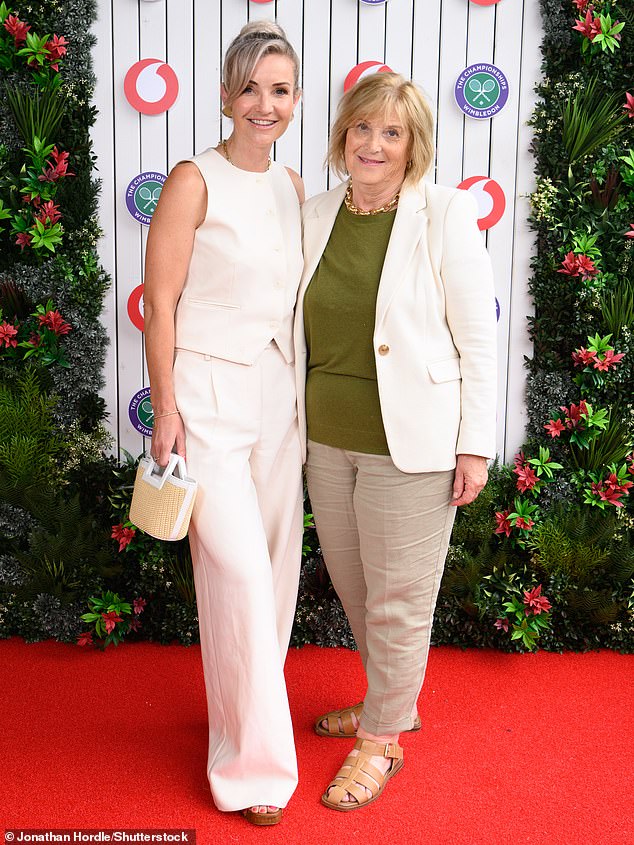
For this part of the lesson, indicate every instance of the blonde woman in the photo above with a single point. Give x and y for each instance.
(222, 269)
(395, 343)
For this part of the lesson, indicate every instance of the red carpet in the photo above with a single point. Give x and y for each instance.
(514, 748)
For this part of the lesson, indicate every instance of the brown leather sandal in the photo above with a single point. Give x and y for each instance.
(347, 728)
(358, 772)
(262, 818)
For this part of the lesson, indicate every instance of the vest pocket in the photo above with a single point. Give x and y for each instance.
(210, 303)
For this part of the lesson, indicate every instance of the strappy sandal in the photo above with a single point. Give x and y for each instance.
(358, 772)
(347, 728)
(262, 818)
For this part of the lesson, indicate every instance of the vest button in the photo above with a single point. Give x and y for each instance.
(383, 349)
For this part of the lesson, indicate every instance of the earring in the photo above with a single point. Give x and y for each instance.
(227, 111)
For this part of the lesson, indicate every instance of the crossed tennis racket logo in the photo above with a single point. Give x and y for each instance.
(147, 198)
(481, 90)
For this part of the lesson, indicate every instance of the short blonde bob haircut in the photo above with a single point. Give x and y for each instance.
(375, 97)
(255, 40)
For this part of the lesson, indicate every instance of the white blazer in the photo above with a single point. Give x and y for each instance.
(435, 327)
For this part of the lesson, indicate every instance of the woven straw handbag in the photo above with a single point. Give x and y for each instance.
(163, 498)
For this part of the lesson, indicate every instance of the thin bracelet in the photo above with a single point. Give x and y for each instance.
(169, 414)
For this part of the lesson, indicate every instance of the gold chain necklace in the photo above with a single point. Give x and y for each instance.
(390, 206)
(225, 150)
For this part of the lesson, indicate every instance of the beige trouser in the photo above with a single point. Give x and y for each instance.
(384, 536)
(246, 535)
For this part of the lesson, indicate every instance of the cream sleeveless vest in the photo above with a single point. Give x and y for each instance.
(246, 264)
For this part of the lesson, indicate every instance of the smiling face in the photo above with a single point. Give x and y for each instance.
(376, 153)
(263, 110)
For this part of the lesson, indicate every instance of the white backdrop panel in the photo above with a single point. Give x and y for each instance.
(431, 41)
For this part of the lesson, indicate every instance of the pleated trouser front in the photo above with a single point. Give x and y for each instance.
(384, 535)
(246, 535)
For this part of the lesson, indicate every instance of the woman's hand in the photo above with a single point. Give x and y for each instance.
(471, 476)
(168, 436)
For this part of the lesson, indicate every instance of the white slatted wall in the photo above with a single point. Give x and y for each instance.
(431, 41)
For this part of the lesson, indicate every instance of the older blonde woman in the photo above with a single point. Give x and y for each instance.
(223, 265)
(395, 337)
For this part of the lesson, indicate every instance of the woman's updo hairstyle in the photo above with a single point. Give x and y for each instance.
(255, 40)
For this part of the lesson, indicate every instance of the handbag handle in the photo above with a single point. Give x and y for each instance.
(157, 475)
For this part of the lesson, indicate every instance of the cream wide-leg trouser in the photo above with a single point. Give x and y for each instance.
(384, 535)
(243, 448)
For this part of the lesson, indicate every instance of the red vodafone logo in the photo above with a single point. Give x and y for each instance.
(485, 2)
(490, 198)
(364, 69)
(135, 308)
(151, 86)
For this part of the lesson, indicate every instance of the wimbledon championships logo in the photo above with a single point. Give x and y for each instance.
(481, 91)
(142, 195)
(141, 413)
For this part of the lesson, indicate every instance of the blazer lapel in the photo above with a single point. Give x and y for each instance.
(318, 225)
(409, 227)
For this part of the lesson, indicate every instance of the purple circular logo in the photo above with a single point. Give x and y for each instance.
(481, 91)
(141, 413)
(374, 2)
(142, 195)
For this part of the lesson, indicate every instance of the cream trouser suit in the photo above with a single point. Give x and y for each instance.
(235, 390)
(246, 534)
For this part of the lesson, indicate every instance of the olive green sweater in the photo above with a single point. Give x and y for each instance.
(342, 398)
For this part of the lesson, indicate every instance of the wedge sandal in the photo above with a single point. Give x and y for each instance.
(345, 728)
(358, 774)
(262, 818)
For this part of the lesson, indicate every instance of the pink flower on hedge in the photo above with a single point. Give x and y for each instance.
(50, 210)
(17, 28)
(54, 321)
(110, 619)
(569, 265)
(85, 638)
(502, 624)
(57, 49)
(534, 601)
(138, 605)
(503, 525)
(630, 234)
(588, 26)
(582, 357)
(586, 267)
(555, 427)
(526, 478)
(610, 358)
(8, 334)
(123, 535)
(628, 106)
(58, 169)
(23, 239)
(35, 340)
(134, 624)
(578, 265)
(524, 522)
(573, 414)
